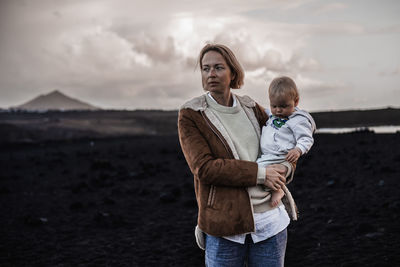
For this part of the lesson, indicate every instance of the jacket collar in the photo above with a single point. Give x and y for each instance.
(200, 104)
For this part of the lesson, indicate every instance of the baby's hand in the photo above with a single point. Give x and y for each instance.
(293, 155)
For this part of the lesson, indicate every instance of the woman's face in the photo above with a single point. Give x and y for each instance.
(216, 74)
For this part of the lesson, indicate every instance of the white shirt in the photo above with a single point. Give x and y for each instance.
(267, 224)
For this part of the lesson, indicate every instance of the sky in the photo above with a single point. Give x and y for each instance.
(124, 54)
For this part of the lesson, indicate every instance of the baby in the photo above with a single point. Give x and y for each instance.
(288, 133)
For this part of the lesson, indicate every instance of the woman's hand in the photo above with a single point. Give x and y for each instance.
(275, 176)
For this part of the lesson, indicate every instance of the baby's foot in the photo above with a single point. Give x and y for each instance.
(276, 196)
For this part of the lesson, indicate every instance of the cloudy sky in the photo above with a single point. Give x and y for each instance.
(142, 54)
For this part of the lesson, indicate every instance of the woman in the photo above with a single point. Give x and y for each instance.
(219, 133)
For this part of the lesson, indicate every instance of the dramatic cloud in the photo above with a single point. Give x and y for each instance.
(142, 54)
(330, 7)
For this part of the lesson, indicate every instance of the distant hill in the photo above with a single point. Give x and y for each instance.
(357, 118)
(55, 100)
(28, 126)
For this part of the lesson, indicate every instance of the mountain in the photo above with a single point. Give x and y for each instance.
(55, 100)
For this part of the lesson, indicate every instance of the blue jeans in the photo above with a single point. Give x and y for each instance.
(222, 252)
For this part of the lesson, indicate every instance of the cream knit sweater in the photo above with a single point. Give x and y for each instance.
(246, 143)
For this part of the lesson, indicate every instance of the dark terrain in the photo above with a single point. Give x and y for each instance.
(129, 201)
(112, 188)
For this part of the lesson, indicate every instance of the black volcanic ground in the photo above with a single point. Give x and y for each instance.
(129, 201)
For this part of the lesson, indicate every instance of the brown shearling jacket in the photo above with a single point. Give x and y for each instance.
(220, 178)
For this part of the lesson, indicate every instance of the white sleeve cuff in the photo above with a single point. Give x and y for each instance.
(261, 174)
(302, 149)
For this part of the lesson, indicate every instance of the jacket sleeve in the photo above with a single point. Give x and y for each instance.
(204, 164)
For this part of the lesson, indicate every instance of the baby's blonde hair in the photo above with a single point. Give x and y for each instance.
(284, 86)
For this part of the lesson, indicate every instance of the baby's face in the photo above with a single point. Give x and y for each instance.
(282, 106)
